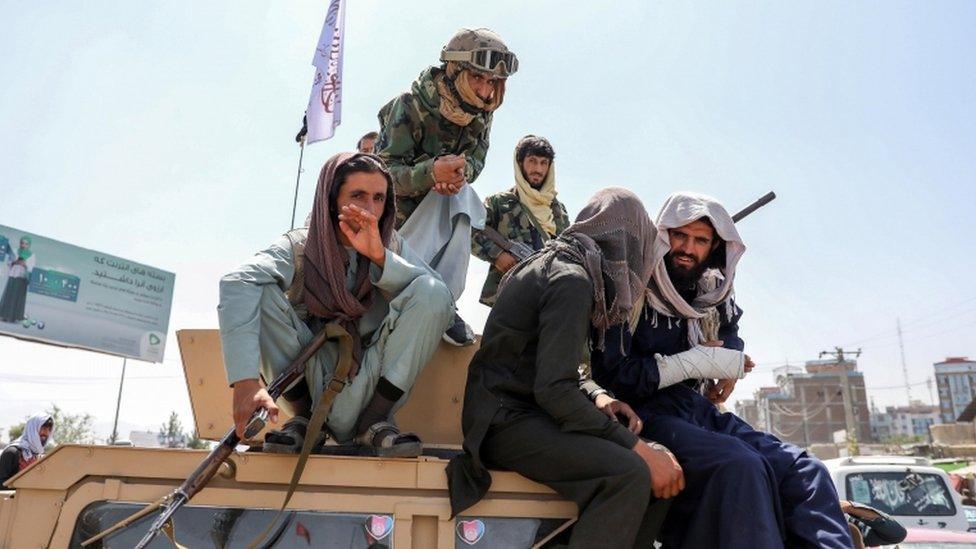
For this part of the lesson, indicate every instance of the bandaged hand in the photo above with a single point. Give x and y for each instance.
(700, 362)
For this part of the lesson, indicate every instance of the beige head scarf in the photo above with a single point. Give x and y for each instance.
(612, 239)
(715, 286)
(537, 201)
(455, 92)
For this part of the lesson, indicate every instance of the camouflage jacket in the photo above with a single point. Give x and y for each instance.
(413, 133)
(507, 216)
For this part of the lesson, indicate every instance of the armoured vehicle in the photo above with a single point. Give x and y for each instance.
(76, 491)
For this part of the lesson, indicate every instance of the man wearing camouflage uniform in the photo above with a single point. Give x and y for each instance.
(527, 213)
(434, 139)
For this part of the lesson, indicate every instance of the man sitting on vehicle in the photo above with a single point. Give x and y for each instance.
(28, 448)
(524, 409)
(528, 213)
(348, 266)
(745, 488)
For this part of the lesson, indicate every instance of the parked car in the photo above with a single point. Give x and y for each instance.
(970, 516)
(926, 538)
(909, 489)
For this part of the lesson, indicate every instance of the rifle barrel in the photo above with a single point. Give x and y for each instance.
(763, 200)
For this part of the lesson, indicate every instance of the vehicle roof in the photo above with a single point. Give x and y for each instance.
(874, 461)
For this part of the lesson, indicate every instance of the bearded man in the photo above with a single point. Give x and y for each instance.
(526, 407)
(745, 488)
(28, 448)
(528, 213)
(349, 266)
(434, 139)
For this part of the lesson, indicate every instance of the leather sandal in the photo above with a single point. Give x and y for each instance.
(386, 440)
(290, 438)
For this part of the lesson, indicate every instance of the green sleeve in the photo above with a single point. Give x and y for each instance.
(401, 132)
(476, 158)
(481, 246)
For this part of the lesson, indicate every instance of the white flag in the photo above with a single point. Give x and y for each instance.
(325, 104)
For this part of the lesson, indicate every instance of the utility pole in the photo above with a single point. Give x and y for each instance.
(118, 404)
(845, 384)
(904, 367)
(931, 398)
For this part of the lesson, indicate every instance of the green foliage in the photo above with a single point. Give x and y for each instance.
(16, 431)
(171, 433)
(197, 443)
(72, 428)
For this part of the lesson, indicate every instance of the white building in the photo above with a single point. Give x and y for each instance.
(956, 379)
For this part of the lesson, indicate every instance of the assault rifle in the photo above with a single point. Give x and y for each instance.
(211, 465)
(520, 250)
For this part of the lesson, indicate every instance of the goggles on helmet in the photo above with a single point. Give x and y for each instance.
(501, 63)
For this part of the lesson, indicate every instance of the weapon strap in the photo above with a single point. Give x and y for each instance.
(169, 529)
(339, 380)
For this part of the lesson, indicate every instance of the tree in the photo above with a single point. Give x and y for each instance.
(17, 430)
(197, 443)
(171, 433)
(72, 428)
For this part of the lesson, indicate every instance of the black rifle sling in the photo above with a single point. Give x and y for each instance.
(339, 380)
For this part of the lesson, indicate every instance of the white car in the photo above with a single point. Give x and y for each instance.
(910, 489)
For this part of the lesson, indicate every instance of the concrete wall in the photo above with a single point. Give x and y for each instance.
(953, 434)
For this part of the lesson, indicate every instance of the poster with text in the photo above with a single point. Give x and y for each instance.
(57, 293)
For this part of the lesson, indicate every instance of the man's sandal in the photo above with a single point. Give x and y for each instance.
(386, 440)
(290, 438)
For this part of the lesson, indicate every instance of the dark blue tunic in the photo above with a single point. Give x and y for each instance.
(744, 488)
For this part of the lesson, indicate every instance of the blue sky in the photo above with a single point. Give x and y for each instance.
(162, 132)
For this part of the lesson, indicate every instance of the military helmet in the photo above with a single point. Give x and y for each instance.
(482, 50)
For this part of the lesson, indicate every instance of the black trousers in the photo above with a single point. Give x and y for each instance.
(610, 484)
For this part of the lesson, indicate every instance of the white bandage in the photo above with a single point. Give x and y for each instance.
(700, 362)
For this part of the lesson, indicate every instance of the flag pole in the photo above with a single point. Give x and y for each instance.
(298, 177)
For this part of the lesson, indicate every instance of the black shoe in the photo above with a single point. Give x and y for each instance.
(459, 333)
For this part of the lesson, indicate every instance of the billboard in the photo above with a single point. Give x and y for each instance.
(58, 293)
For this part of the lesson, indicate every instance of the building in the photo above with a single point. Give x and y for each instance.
(807, 405)
(904, 422)
(748, 410)
(880, 424)
(956, 380)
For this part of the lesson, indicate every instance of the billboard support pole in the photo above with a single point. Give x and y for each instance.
(118, 403)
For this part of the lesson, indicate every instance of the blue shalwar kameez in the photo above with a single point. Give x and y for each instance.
(744, 488)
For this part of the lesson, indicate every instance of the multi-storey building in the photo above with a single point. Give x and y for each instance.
(807, 406)
(904, 422)
(956, 380)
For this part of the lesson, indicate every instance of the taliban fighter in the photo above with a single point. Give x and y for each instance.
(525, 406)
(528, 213)
(745, 488)
(28, 448)
(349, 266)
(434, 139)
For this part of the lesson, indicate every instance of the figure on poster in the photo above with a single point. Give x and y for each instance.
(14, 300)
